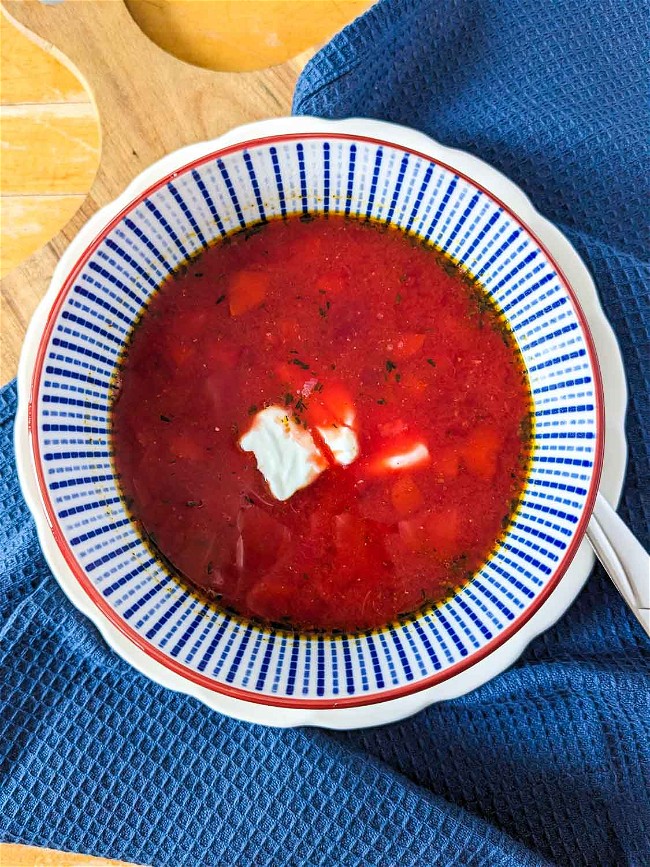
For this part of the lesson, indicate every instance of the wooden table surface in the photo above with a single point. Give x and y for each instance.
(50, 150)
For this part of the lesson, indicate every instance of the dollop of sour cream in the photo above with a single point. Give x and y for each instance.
(286, 453)
(342, 442)
(290, 457)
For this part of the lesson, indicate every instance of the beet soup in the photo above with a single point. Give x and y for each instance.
(322, 423)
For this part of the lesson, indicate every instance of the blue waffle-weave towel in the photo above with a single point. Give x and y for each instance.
(549, 762)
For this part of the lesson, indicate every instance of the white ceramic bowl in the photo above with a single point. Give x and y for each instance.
(175, 208)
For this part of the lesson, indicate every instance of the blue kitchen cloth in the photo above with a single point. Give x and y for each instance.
(547, 763)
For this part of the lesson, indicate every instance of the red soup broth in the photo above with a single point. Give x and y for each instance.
(315, 314)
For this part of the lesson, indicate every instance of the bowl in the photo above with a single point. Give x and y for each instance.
(360, 168)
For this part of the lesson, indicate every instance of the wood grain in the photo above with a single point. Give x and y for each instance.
(66, 138)
(30, 75)
(49, 136)
(14, 855)
(241, 35)
(27, 219)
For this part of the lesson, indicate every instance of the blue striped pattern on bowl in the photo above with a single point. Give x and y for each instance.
(110, 289)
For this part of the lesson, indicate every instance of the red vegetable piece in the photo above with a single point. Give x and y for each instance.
(442, 531)
(223, 355)
(393, 428)
(262, 540)
(414, 383)
(359, 553)
(246, 291)
(349, 533)
(271, 599)
(180, 353)
(481, 451)
(432, 532)
(292, 376)
(406, 496)
(289, 328)
(186, 447)
(310, 247)
(277, 598)
(331, 405)
(192, 326)
(333, 283)
(413, 534)
(408, 344)
(446, 463)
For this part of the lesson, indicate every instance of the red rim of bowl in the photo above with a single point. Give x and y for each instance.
(261, 698)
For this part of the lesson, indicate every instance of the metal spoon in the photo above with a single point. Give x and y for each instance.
(625, 560)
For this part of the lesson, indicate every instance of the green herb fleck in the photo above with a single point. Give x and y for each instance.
(526, 429)
(221, 298)
(288, 399)
(390, 366)
(448, 266)
(382, 401)
(210, 567)
(398, 298)
(165, 418)
(194, 504)
(299, 363)
(431, 362)
(252, 409)
(398, 377)
(300, 405)
(318, 386)
(252, 230)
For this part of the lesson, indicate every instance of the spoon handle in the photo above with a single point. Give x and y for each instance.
(625, 560)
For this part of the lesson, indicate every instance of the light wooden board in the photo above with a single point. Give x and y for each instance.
(245, 34)
(13, 855)
(30, 75)
(50, 133)
(65, 137)
(49, 153)
(27, 221)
